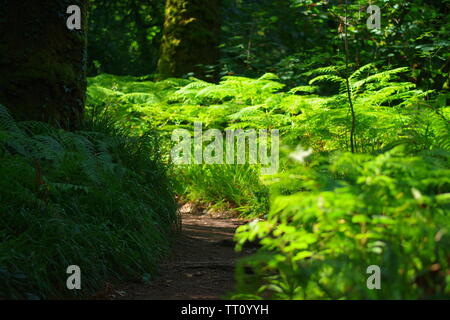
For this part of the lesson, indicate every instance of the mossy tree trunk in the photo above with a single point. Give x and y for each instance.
(190, 38)
(42, 62)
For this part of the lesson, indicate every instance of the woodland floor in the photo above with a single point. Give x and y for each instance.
(201, 265)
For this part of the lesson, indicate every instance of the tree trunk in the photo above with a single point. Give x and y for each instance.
(42, 62)
(190, 38)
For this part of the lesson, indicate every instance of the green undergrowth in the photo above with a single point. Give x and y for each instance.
(328, 214)
(334, 217)
(389, 112)
(98, 198)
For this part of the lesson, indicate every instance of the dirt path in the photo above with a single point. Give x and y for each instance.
(201, 265)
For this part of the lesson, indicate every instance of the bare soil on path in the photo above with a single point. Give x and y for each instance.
(201, 265)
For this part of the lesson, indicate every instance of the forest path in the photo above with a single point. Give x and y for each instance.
(201, 265)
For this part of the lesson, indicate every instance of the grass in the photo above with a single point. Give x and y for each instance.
(97, 199)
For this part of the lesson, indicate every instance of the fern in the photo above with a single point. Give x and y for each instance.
(72, 196)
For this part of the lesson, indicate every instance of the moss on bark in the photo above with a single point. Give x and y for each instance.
(190, 38)
(42, 62)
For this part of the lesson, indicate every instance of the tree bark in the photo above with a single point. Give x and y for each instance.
(42, 62)
(190, 38)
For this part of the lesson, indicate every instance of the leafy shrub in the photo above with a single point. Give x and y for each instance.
(390, 210)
